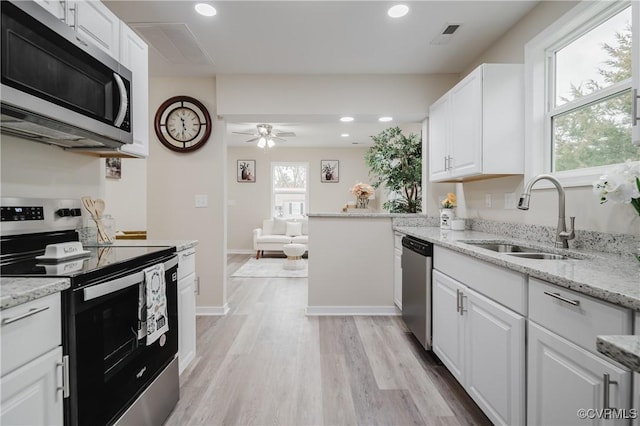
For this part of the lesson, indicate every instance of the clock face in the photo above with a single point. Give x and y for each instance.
(183, 124)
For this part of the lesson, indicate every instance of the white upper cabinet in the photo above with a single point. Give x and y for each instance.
(476, 130)
(96, 24)
(56, 7)
(134, 54)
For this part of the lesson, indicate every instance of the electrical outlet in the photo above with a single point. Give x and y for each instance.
(487, 200)
(201, 201)
(510, 200)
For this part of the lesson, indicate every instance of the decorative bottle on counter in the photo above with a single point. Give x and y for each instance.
(446, 216)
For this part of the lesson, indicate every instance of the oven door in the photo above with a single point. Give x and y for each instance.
(110, 365)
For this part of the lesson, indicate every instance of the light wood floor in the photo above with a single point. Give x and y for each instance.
(266, 363)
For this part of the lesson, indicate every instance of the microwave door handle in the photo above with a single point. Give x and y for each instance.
(124, 100)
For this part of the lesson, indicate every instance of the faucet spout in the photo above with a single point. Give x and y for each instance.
(562, 236)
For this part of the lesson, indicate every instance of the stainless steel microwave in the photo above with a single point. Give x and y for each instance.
(57, 88)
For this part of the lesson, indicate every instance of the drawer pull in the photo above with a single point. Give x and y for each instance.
(564, 299)
(184, 255)
(606, 389)
(30, 312)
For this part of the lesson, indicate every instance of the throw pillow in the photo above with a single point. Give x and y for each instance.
(294, 229)
(279, 226)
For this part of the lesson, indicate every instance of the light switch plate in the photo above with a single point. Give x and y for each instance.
(510, 200)
(487, 200)
(202, 201)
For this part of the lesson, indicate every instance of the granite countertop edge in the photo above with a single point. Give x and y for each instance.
(624, 349)
(16, 291)
(605, 276)
(179, 244)
(354, 215)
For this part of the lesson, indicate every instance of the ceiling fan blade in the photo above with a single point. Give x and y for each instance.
(285, 134)
(278, 139)
(253, 140)
(245, 133)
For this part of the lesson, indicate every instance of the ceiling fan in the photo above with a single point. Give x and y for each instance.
(266, 135)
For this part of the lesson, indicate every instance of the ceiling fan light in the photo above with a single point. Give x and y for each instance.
(270, 143)
(205, 9)
(262, 142)
(398, 11)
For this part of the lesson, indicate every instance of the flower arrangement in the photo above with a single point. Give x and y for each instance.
(620, 185)
(362, 190)
(449, 202)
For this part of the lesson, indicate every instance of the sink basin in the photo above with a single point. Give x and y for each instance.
(504, 248)
(544, 256)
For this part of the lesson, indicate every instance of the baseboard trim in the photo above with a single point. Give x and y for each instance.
(212, 310)
(240, 251)
(352, 310)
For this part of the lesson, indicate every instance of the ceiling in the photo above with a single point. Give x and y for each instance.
(315, 37)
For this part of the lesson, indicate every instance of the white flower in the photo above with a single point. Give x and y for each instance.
(620, 184)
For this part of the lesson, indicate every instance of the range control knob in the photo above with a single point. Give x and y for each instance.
(76, 212)
(63, 212)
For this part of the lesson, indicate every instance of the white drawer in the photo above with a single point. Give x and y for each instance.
(500, 284)
(30, 330)
(574, 316)
(186, 262)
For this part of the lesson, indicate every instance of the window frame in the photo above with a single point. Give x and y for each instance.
(275, 164)
(540, 95)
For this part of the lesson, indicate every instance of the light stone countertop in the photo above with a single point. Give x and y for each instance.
(355, 215)
(624, 349)
(613, 278)
(179, 244)
(16, 291)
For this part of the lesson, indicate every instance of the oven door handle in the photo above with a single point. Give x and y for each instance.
(112, 286)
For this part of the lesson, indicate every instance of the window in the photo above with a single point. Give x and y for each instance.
(579, 76)
(289, 189)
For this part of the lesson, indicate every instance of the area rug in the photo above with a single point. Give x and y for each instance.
(268, 268)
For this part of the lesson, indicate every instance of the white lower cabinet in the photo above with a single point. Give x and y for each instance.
(482, 343)
(397, 270)
(29, 394)
(186, 308)
(33, 372)
(564, 378)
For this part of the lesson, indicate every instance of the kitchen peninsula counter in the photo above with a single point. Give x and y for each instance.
(178, 244)
(16, 291)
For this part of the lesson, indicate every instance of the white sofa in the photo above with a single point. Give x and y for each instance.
(275, 233)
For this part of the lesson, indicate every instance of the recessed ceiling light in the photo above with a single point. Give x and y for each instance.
(384, 119)
(205, 9)
(398, 11)
(345, 135)
(346, 119)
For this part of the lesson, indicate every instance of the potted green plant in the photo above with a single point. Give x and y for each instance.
(395, 160)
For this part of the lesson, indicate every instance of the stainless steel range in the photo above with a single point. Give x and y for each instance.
(117, 376)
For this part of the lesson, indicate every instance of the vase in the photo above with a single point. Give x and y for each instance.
(446, 216)
(362, 202)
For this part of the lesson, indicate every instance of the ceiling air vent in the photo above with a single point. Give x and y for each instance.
(174, 41)
(446, 34)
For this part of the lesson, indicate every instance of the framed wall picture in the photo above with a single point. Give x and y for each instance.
(113, 168)
(329, 171)
(246, 172)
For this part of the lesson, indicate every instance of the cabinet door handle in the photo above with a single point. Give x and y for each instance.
(65, 376)
(607, 382)
(445, 163)
(457, 300)
(29, 313)
(564, 299)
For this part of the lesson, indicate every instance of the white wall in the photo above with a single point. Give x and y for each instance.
(250, 203)
(126, 198)
(31, 169)
(407, 96)
(580, 202)
(173, 181)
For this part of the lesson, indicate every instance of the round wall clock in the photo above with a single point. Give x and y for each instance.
(182, 124)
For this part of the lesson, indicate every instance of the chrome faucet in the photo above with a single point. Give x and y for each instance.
(562, 235)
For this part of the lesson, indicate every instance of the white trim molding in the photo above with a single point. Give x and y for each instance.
(537, 97)
(241, 251)
(352, 310)
(212, 310)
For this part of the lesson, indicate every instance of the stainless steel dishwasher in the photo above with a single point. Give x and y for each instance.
(417, 261)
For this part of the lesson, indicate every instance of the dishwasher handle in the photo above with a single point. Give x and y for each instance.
(424, 248)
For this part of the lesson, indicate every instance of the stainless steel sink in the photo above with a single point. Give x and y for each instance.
(543, 256)
(504, 248)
